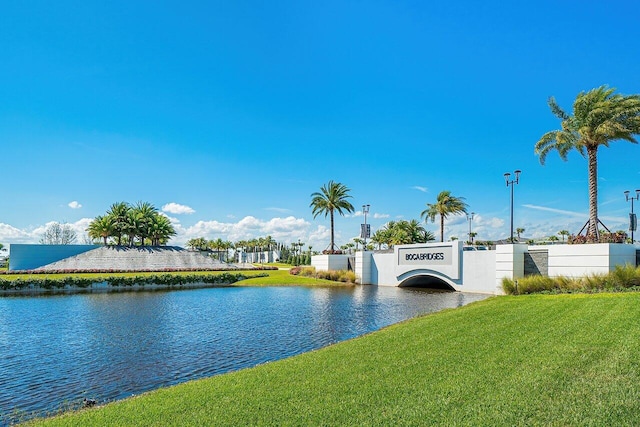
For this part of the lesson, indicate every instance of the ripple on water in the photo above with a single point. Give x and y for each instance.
(58, 350)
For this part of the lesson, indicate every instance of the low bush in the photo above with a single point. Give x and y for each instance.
(295, 270)
(621, 278)
(308, 271)
(166, 279)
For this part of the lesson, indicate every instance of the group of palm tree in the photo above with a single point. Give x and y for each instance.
(124, 224)
(401, 232)
(600, 116)
(333, 197)
(219, 246)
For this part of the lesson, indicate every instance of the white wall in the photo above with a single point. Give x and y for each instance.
(509, 263)
(582, 260)
(479, 272)
(363, 270)
(383, 269)
(330, 262)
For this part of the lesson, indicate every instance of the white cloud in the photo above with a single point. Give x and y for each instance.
(285, 230)
(380, 216)
(558, 211)
(74, 205)
(10, 234)
(419, 188)
(177, 209)
(279, 210)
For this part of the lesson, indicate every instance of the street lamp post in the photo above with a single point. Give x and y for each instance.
(511, 183)
(632, 216)
(365, 211)
(470, 218)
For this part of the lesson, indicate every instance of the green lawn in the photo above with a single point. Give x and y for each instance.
(282, 277)
(564, 360)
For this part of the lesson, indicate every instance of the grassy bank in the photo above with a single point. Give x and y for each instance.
(255, 278)
(527, 360)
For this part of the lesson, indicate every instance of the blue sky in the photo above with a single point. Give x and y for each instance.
(228, 115)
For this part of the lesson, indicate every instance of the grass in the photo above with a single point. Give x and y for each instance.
(283, 278)
(565, 360)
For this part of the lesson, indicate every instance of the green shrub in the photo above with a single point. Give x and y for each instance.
(337, 275)
(308, 271)
(621, 278)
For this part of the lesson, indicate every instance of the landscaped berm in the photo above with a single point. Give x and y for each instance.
(147, 258)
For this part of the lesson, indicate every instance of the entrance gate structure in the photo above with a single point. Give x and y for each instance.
(447, 266)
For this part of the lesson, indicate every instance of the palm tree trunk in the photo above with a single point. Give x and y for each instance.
(332, 241)
(441, 228)
(592, 231)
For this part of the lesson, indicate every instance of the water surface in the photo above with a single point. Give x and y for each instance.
(57, 350)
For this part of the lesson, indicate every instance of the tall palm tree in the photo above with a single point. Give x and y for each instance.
(445, 205)
(519, 231)
(600, 116)
(331, 198)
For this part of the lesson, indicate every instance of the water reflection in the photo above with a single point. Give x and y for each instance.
(109, 346)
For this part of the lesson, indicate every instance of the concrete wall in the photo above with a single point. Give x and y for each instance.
(582, 260)
(478, 272)
(330, 262)
(509, 263)
(362, 268)
(29, 257)
(384, 268)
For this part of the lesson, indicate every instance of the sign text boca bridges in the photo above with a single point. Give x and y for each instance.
(433, 255)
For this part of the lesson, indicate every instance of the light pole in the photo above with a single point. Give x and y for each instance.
(470, 218)
(511, 183)
(632, 216)
(365, 232)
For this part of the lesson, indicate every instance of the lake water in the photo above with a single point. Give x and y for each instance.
(57, 350)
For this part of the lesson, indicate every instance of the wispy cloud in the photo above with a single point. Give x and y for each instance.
(74, 205)
(380, 216)
(419, 188)
(279, 210)
(177, 209)
(558, 211)
(576, 214)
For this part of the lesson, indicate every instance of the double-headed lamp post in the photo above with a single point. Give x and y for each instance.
(632, 216)
(512, 182)
(470, 218)
(365, 211)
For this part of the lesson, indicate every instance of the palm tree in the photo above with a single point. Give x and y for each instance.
(563, 233)
(600, 116)
(331, 198)
(160, 230)
(119, 215)
(198, 243)
(445, 205)
(519, 231)
(473, 235)
(140, 220)
(101, 228)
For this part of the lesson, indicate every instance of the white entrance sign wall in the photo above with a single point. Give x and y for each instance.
(443, 258)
